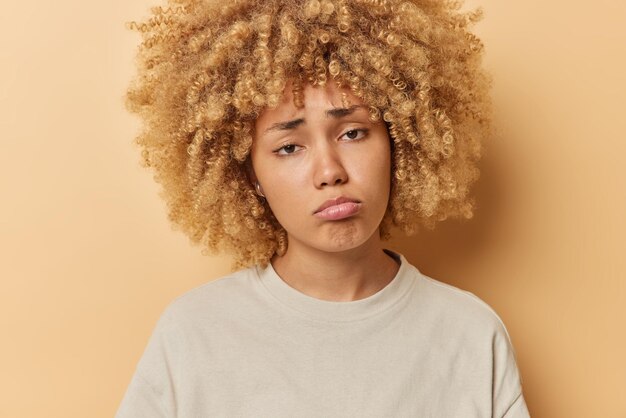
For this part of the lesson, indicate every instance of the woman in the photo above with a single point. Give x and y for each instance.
(294, 135)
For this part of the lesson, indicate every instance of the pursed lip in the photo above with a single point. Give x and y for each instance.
(336, 201)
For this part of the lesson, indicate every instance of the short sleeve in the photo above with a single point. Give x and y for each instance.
(141, 400)
(517, 409)
(151, 390)
(508, 399)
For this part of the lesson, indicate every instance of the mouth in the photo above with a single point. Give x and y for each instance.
(340, 211)
(338, 201)
(338, 208)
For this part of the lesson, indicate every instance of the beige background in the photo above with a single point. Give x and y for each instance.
(88, 260)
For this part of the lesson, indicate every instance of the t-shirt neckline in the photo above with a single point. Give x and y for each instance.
(339, 311)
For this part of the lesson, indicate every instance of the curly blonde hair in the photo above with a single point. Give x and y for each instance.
(206, 69)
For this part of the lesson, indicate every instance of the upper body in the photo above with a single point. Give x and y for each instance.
(295, 135)
(248, 344)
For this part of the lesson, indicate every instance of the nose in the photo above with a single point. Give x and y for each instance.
(329, 169)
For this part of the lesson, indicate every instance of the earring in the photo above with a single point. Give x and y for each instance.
(258, 189)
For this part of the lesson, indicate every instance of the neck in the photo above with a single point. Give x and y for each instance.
(336, 276)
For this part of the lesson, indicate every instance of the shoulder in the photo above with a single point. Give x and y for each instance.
(233, 284)
(220, 297)
(471, 329)
(458, 308)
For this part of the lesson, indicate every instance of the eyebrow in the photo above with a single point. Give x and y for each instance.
(335, 113)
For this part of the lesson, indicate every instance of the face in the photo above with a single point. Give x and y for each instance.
(303, 157)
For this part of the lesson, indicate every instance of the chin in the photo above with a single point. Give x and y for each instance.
(345, 241)
(335, 236)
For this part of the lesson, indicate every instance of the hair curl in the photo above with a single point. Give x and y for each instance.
(206, 69)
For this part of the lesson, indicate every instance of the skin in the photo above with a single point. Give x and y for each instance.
(341, 153)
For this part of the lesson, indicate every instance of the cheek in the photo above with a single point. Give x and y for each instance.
(285, 185)
(377, 163)
(380, 175)
(288, 198)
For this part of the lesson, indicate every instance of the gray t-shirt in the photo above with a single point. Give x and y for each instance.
(250, 345)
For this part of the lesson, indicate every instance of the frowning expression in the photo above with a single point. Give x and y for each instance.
(302, 157)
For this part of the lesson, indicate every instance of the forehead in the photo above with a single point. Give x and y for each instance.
(315, 99)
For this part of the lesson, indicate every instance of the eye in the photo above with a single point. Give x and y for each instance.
(355, 134)
(285, 147)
